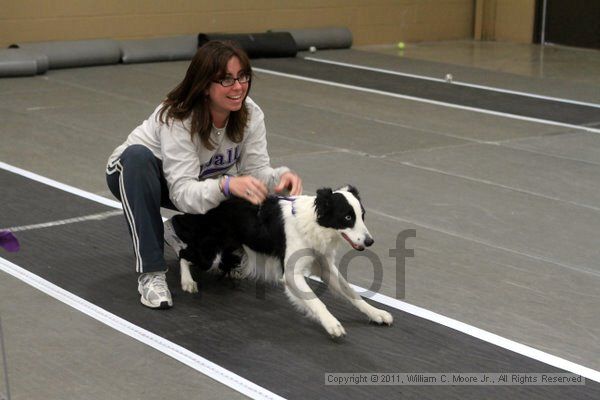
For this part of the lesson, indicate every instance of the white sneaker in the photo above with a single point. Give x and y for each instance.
(172, 239)
(154, 291)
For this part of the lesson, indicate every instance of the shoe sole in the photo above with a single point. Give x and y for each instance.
(162, 306)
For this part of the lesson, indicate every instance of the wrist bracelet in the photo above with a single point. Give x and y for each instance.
(226, 186)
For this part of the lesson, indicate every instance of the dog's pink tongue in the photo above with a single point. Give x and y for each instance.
(8, 241)
(354, 246)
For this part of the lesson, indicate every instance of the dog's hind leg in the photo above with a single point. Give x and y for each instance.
(188, 284)
(338, 284)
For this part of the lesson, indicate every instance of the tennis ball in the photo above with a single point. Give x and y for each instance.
(400, 45)
(312, 49)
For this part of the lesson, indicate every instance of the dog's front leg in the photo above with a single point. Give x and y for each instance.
(188, 284)
(338, 283)
(304, 298)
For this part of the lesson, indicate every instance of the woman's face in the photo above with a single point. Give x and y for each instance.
(223, 100)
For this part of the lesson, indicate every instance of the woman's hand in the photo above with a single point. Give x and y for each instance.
(249, 188)
(291, 182)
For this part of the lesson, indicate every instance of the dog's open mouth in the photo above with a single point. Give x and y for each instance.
(354, 245)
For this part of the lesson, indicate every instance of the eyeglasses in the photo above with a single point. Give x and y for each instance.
(229, 81)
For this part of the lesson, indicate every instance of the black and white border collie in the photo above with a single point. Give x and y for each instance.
(285, 239)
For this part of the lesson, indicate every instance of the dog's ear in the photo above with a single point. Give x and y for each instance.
(323, 201)
(354, 191)
(351, 189)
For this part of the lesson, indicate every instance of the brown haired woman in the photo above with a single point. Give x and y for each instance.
(180, 156)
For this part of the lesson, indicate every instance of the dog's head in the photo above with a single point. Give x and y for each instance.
(342, 210)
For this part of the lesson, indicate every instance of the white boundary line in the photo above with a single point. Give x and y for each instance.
(90, 217)
(165, 346)
(459, 83)
(169, 348)
(481, 334)
(67, 188)
(423, 100)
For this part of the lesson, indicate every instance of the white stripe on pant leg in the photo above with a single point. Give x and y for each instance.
(130, 219)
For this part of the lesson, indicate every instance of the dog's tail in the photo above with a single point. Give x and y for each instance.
(257, 266)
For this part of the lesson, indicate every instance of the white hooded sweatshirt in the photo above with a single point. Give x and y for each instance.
(191, 170)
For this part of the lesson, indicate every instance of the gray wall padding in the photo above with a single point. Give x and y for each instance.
(321, 38)
(158, 49)
(41, 59)
(78, 53)
(17, 62)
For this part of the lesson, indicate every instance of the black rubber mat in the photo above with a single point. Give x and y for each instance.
(439, 91)
(261, 338)
(264, 44)
(43, 203)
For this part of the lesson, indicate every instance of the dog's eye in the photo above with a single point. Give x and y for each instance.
(348, 217)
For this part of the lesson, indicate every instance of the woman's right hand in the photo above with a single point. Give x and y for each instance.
(249, 188)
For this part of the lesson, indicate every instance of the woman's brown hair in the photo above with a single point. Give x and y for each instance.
(189, 98)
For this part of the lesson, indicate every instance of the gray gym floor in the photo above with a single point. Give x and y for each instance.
(505, 210)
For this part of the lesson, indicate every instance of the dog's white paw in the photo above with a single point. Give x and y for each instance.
(333, 327)
(189, 285)
(381, 316)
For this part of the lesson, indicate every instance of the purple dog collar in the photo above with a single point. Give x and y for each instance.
(291, 200)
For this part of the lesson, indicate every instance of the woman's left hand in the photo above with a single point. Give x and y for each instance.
(291, 182)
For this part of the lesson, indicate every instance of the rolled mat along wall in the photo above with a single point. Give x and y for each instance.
(321, 38)
(17, 62)
(158, 49)
(78, 53)
(257, 45)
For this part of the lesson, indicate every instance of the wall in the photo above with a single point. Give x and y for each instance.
(371, 21)
(515, 20)
(505, 20)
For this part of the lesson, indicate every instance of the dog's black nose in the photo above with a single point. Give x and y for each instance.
(369, 241)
